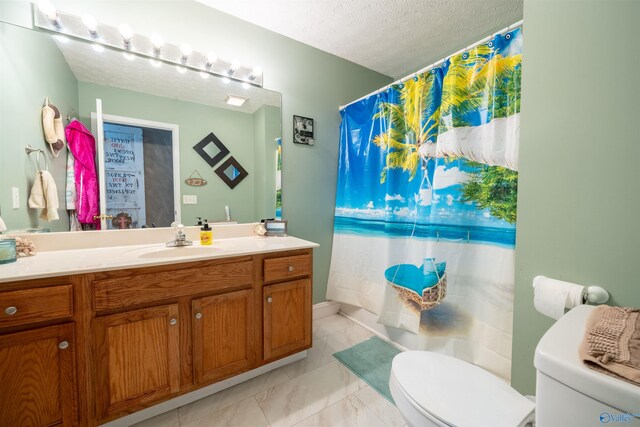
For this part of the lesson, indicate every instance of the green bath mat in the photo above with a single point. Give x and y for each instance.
(371, 361)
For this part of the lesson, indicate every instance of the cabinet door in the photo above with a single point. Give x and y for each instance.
(223, 342)
(138, 358)
(37, 368)
(287, 318)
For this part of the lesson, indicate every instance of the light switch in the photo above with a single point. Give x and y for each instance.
(190, 199)
(15, 197)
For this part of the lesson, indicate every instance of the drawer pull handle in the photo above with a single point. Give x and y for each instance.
(173, 322)
(291, 268)
(198, 315)
(10, 311)
(269, 300)
(63, 345)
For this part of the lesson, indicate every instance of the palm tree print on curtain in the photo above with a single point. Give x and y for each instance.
(426, 204)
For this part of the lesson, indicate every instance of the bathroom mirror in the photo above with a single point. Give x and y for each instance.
(167, 109)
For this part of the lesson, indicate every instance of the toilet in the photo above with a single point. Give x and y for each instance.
(432, 389)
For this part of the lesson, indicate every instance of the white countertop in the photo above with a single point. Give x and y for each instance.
(79, 261)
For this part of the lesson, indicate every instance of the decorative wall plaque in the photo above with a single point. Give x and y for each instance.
(195, 181)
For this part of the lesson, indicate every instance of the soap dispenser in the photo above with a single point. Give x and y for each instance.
(206, 234)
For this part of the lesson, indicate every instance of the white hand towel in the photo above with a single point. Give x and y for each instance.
(3, 226)
(44, 195)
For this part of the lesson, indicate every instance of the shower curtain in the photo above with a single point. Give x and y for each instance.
(424, 228)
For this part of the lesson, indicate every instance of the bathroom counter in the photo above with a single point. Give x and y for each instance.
(79, 261)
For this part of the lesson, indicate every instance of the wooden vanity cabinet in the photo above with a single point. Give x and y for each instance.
(137, 358)
(287, 305)
(91, 348)
(37, 354)
(223, 341)
(287, 318)
(37, 368)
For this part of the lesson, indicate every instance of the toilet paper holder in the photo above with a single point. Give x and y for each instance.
(595, 295)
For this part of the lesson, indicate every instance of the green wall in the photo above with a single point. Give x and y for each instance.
(31, 68)
(235, 130)
(313, 83)
(266, 128)
(578, 198)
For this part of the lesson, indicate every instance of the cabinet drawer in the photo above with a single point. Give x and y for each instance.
(35, 305)
(149, 287)
(287, 267)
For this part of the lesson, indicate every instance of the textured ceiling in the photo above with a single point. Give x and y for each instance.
(393, 37)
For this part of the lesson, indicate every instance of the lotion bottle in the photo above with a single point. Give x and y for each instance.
(206, 234)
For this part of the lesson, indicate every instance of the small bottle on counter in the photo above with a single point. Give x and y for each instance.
(206, 234)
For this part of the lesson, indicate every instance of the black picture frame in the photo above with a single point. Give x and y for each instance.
(303, 132)
(211, 139)
(231, 182)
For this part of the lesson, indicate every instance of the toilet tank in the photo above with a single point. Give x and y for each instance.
(570, 394)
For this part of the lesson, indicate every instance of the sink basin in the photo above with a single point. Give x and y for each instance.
(184, 251)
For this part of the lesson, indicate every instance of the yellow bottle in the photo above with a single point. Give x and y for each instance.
(206, 234)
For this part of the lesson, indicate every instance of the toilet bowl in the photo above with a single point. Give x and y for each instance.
(432, 389)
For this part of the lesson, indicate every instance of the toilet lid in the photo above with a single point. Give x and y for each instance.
(458, 393)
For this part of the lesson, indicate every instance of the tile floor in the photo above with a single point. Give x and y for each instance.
(314, 392)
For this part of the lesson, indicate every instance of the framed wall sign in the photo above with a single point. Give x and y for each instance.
(275, 227)
(303, 130)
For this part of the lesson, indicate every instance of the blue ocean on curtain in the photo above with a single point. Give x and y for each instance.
(425, 216)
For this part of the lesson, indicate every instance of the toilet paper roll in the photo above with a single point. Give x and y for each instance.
(551, 297)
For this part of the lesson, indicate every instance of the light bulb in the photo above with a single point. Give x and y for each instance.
(155, 63)
(226, 80)
(204, 75)
(211, 59)
(235, 64)
(128, 56)
(245, 85)
(255, 73)
(157, 41)
(47, 8)
(97, 47)
(90, 22)
(126, 32)
(185, 49)
(181, 70)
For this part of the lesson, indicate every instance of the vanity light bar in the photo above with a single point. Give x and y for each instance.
(48, 18)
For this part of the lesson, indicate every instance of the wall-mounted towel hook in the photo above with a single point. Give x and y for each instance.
(595, 295)
(29, 149)
(71, 116)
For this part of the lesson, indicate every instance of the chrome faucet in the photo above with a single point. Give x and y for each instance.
(180, 239)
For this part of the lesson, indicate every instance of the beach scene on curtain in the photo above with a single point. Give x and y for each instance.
(425, 220)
